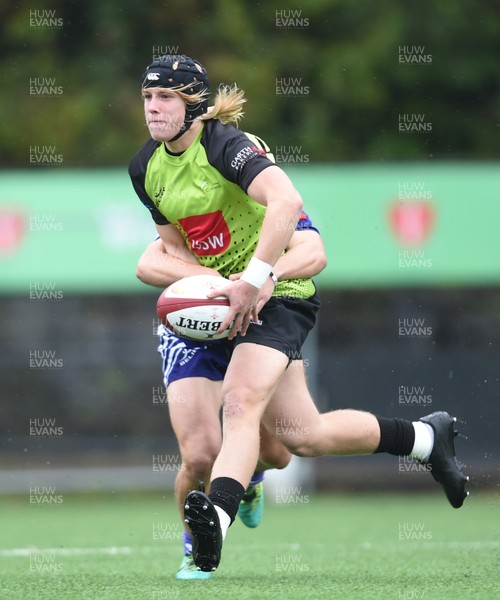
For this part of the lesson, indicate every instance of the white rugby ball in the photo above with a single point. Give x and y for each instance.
(185, 309)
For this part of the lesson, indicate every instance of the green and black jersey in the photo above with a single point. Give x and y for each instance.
(202, 192)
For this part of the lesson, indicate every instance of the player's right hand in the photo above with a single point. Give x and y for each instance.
(243, 298)
(265, 292)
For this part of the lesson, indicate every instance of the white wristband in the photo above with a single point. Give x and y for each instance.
(256, 272)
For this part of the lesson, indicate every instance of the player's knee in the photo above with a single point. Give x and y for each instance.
(276, 457)
(302, 447)
(304, 451)
(198, 466)
(242, 402)
(283, 460)
(198, 461)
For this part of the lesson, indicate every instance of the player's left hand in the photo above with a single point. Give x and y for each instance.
(243, 299)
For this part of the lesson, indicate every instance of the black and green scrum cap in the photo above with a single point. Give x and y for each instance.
(174, 70)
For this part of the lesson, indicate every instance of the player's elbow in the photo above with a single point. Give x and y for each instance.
(296, 202)
(139, 273)
(320, 262)
(290, 203)
(317, 260)
(143, 273)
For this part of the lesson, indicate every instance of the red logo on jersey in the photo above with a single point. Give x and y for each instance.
(208, 234)
(411, 221)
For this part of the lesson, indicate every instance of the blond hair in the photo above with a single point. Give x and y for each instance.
(228, 102)
(228, 105)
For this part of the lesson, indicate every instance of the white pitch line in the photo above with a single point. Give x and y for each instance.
(490, 545)
(112, 550)
(121, 550)
(427, 545)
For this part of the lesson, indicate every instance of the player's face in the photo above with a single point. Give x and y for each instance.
(165, 112)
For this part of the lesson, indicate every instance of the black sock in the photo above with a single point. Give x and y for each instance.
(227, 493)
(397, 436)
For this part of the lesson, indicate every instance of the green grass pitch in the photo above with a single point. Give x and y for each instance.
(127, 546)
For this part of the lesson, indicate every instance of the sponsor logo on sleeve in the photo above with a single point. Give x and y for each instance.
(246, 154)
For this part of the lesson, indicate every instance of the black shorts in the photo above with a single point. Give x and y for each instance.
(286, 323)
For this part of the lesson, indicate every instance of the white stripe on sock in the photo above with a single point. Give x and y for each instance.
(225, 520)
(424, 441)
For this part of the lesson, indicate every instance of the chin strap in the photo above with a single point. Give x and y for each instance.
(185, 126)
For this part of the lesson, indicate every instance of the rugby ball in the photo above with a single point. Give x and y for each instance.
(185, 309)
